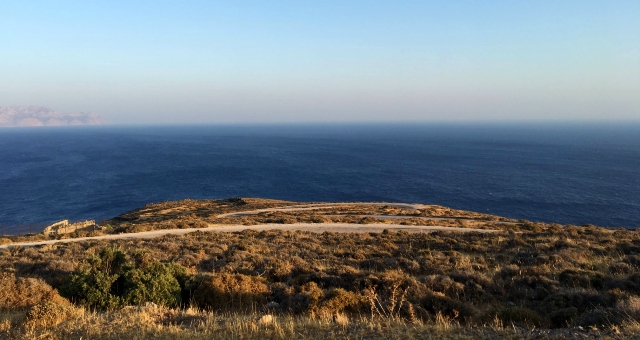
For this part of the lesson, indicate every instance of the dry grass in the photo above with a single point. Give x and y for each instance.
(162, 323)
(202, 213)
(544, 280)
(21, 292)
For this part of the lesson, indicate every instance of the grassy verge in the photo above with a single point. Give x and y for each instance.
(153, 322)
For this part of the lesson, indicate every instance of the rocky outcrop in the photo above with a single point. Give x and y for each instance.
(18, 116)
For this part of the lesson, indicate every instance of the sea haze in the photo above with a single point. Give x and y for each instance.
(556, 173)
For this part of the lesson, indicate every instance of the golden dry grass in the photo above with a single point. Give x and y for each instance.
(153, 322)
(538, 280)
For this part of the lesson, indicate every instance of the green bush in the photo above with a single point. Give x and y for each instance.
(113, 279)
(156, 283)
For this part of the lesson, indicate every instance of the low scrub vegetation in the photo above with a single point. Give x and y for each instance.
(567, 278)
(551, 281)
(112, 279)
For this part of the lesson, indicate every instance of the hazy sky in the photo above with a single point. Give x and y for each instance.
(298, 61)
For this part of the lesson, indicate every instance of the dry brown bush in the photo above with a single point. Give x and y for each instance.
(339, 300)
(20, 293)
(49, 314)
(231, 292)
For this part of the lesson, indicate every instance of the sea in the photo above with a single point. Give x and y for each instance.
(566, 173)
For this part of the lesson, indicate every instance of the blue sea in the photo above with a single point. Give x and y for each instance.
(565, 173)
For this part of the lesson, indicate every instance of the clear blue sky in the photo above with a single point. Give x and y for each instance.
(299, 61)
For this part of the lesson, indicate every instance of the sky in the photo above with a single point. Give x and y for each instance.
(177, 62)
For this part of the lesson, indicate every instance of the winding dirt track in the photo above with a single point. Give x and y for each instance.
(317, 206)
(311, 227)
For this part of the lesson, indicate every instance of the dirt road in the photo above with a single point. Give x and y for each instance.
(312, 227)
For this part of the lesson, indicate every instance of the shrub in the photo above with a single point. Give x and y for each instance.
(563, 317)
(317, 219)
(372, 264)
(112, 279)
(49, 314)
(21, 293)
(573, 279)
(156, 283)
(633, 260)
(582, 301)
(56, 272)
(448, 307)
(443, 284)
(602, 317)
(620, 268)
(339, 300)
(92, 282)
(369, 220)
(521, 315)
(200, 224)
(630, 305)
(299, 299)
(532, 288)
(630, 284)
(230, 292)
(309, 297)
(509, 271)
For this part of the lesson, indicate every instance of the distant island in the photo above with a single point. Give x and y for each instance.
(21, 116)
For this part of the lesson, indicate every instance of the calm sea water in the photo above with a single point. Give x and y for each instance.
(561, 173)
